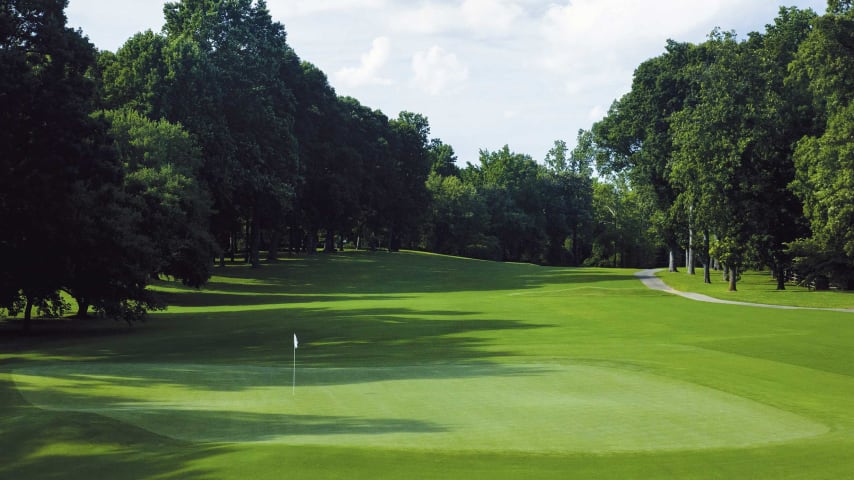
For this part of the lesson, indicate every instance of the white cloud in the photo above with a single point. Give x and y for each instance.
(437, 71)
(368, 72)
(426, 19)
(479, 17)
(288, 9)
(490, 16)
(598, 43)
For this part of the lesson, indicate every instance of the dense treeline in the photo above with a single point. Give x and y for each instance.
(744, 148)
(212, 140)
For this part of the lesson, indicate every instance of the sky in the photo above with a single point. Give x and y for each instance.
(486, 73)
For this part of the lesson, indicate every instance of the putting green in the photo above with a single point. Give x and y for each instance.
(528, 408)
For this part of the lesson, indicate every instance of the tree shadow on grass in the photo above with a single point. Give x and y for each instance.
(365, 273)
(203, 298)
(328, 337)
(60, 445)
(237, 351)
(211, 426)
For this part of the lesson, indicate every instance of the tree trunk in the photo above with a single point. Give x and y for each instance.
(28, 314)
(255, 246)
(733, 276)
(311, 242)
(726, 273)
(690, 254)
(273, 248)
(707, 278)
(82, 308)
(329, 243)
(671, 267)
(781, 276)
(294, 240)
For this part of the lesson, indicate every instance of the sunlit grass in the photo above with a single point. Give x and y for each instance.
(423, 366)
(758, 287)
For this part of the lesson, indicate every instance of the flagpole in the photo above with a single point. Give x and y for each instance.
(294, 383)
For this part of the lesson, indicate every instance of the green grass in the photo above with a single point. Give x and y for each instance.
(758, 287)
(422, 366)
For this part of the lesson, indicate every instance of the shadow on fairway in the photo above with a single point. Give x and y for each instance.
(236, 427)
(217, 299)
(329, 338)
(60, 445)
(375, 273)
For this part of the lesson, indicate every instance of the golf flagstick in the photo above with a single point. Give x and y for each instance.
(294, 384)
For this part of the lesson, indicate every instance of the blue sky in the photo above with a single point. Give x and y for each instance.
(485, 72)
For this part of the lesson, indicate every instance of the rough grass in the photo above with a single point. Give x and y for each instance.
(423, 366)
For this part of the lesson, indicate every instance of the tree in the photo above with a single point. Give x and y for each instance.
(330, 169)
(366, 133)
(162, 163)
(825, 182)
(225, 72)
(76, 229)
(733, 162)
(567, 189)
(405, 191)
(443, 160)
(636, 135)
(509, 184)
(457, 216)
(824, 159)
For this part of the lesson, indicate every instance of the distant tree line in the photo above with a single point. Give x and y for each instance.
(744, 149)
(212, 140)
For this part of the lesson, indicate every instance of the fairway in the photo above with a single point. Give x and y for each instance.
(417, 365)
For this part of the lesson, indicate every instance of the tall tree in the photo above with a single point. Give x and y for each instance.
(636, 135)
(456, 217)
(330, 169)
(790, 117)
(162, 162)
(61, 181)
(825, 159)
(443, 160)
(406, 193)
(225, 72)
(567, 188)
(728, 162)
(509, 183)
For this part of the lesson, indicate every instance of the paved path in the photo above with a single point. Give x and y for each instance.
(650, 280)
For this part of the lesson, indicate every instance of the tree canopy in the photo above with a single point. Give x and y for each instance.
(212, 138)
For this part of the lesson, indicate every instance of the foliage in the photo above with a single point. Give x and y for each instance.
(709, 132)
(824, 160)
(62, 181)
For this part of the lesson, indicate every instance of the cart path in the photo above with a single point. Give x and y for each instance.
(650, 280)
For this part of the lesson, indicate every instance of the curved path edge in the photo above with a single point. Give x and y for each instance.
(648, 278)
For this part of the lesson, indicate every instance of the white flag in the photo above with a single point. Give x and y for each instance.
(296, 342)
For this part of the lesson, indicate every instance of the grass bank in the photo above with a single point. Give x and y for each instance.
(758, 287)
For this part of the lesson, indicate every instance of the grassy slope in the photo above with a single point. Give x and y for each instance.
(412, 313)
(758, 287)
